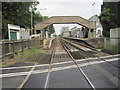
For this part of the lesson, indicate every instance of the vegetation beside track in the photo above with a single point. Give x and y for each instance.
(28, 55)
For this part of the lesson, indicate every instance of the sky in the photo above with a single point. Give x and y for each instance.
(83, 8)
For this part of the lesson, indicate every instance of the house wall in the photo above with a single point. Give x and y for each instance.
(21, 33)
(98, 31)
(14, 28)
(24, 34)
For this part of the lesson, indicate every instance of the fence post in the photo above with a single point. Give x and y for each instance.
(105, 42)
(10, 47)
(13, 48)
(34, 43)
(1, 50)
(22, 45)
(41, 40)
(3, 53)
(28, 43)
(39, 43)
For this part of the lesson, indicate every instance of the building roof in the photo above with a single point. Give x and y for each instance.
(94, 18)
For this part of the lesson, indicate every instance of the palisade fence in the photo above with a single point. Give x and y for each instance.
(8, 47)
(109, 44)
(96, 42)
(112, 44)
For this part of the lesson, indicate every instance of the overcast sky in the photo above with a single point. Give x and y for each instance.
(81, 8)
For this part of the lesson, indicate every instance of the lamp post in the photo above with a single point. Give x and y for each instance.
(93, 18)
(32, 10)
(43, 20)
(93, 12)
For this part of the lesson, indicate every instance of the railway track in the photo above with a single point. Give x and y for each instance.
(47, 82)
(82, 43)
(80, 69)
(50, 67)
(89, 48)
(89, 60)
(56, 63)
(49, 60)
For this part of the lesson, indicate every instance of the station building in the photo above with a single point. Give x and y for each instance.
(15, 32)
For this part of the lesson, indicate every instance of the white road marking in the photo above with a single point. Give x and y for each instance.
(114, 59)
(22, 73)
(54, 69)
(26, 78)
(59, 63)
(23, 67)
(62, 63)
(110, 56)
(63, 68)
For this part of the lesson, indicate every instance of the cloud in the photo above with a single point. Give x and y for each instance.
(69, 8)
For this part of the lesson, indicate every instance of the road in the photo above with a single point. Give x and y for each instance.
(66, 75)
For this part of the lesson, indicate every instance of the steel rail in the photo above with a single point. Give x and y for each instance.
(80, 69)
(96, 55)
(28, 75)
(49, 69)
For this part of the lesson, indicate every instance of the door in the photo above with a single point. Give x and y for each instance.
(13, 36)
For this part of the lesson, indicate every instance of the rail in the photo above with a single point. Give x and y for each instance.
(80, 69)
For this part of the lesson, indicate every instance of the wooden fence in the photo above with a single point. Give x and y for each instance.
(10, 47)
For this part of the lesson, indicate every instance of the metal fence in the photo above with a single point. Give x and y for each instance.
(112, 44)
(96, 42)
(10, 47)
(106, 43)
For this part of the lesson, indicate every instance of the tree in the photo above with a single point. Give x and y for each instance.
(64, 30)
(107, 21)
(51, 29)
(55, 35)
(45, 17)
(17, 13)
(110, 16)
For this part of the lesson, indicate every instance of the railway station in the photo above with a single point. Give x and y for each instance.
(79, 58)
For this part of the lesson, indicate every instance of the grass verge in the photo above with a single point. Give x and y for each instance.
(28, 55)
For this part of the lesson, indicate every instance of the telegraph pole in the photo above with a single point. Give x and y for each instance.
(31, 21)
